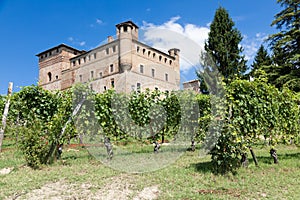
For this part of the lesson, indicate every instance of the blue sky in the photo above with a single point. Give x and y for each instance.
(32, 26)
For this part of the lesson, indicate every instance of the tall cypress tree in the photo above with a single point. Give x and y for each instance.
(286, 45)
(223, 46)
(261, 60)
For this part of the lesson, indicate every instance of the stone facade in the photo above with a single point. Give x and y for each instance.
(123, 63)
(192, 85)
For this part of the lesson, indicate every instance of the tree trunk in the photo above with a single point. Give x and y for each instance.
(274, 155)
(253, 156)
(5, 112)
(244, 160)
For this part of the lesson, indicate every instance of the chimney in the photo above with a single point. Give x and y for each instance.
(174, 52)
(110, 39)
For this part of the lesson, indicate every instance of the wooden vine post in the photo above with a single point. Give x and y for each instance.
(5, 113)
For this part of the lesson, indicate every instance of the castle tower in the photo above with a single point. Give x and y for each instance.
(126, 33)
(176, 67)
(52, 63)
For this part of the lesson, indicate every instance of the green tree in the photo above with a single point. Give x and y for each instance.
(223, 46)
(286, 45)
(261, 60)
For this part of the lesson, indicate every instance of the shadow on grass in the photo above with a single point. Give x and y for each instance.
(207, 167)
(204, 167)
(281, 157)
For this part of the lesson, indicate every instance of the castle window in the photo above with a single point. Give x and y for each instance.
(89, 57)
(112, 83)
(80, 78)
(50, 53)
(149, 52)
(57, 50)
(107, 51)
(170, 62)
(132, 87)
(137, 49)
(49, 76)
(56, 77)
(125, 28)
(45, 55)
(74, 63)
(142, 69)
(160, 57)
(104, 87)
(100, 75)
(42, 57)
(95, 55)
(92, 74)
(84, 59)
(144, 50)
(167, 77)
(114, 49)
(166, 60)
(153, 72)
(111, 68)
(138, 87)
(153, 55)
(79, 61)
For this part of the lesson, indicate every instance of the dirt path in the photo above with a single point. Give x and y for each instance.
(116, 188)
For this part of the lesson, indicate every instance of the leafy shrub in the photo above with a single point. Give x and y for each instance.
(34, 143)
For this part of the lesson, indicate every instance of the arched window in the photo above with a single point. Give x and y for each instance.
(49, 76)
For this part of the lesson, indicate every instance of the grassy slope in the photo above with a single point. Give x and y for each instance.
(189, 177)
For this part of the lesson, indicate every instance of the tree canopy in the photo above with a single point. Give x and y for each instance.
(223, 46)
(286, 46)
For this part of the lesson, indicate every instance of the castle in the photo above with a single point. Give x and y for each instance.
(123, 63)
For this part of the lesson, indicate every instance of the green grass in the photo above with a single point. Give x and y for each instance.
(190, 177)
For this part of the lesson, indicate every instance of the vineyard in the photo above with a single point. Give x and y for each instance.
(251, 118)
(228, 127)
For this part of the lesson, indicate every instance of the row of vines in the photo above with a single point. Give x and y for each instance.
(248, 113)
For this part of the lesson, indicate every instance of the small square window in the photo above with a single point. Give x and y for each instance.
(141, 69)
(167, 77)
(153, 72)
(92, 74)
(112, 83)
(138, 87)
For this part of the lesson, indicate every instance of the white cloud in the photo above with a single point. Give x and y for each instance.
(148, 9)
(252, 44)
(76, 42)
(99, 21)
(82, 43)
(189, 38)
